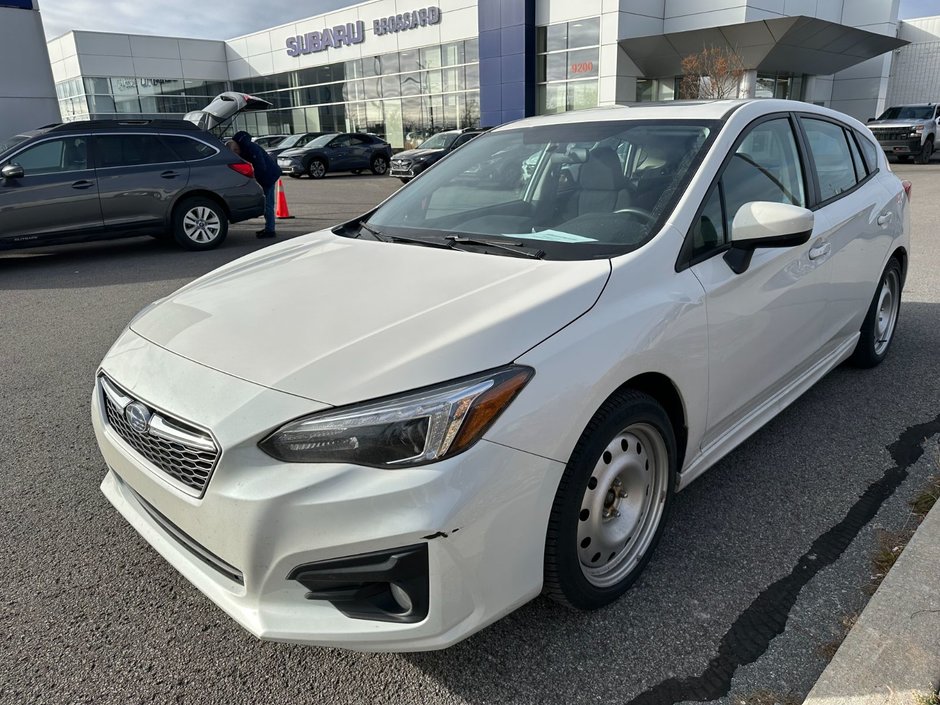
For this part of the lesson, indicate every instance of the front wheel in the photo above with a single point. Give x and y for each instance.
(379, 165)
(316, 169)
(881, 320)
(199, 224)
(612, 502)
(925, 153)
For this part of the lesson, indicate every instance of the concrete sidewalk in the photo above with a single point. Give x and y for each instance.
(892, 654)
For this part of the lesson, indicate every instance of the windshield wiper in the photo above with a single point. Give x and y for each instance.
(373, 232)
(509, 247)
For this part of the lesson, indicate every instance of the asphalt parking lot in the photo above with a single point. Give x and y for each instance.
(766, 556)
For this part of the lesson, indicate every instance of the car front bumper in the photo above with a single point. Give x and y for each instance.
(289, 166)
(405, 170)
(481, 515)
(907, 146)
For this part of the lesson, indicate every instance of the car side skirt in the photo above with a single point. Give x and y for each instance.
(764, 412)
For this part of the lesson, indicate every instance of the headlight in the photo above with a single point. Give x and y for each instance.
(919, 129)
(402, 431)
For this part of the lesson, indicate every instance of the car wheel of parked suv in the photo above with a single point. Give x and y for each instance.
(199, 224)
(379, 165)
(882, 319)
(612, 502)
(316, 169)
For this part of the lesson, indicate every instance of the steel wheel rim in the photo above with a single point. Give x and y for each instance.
(889, 300)
(317, 170)
(202, 224)
(622, 505)
(380, 166)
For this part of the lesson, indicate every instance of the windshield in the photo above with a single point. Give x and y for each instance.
(576, 191)
(321, 141)
(442, 140)
(291, 141)
(12, 142)
(908, 112)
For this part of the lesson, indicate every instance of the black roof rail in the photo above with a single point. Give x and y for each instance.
(130, 122)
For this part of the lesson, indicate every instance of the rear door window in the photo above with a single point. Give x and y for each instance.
(131, 150)
(869, 151)
(835, 169)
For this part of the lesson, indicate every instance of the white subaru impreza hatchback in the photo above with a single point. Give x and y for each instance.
(387, 435)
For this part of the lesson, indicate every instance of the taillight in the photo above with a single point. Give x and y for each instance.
(907, 188)
(243, 168)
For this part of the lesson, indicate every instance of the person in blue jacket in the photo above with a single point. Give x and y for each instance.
(267, 173)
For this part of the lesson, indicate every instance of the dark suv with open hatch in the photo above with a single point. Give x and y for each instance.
(97, 180)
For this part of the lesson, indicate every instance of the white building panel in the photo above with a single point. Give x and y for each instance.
(202, 50)
(100, 65)
(102, 43)
(157, 68)
(205, 70)
(155, 47)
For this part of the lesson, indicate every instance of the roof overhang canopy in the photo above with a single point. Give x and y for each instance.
(793, 45)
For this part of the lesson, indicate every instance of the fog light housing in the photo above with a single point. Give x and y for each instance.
(384, 586)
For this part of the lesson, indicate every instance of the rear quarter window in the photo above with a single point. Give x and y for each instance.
(188, 149)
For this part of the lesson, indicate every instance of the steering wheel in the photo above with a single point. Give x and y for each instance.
(640, 213)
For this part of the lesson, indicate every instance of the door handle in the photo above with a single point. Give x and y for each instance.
(169, 174)
(884, 218)
(820, 251)
(83, 184)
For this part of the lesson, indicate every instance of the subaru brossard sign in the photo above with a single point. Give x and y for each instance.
(355, 32)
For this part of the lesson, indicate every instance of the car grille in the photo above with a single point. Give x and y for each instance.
(184, 453)
(893, 133)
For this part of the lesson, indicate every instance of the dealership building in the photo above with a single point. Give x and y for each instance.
(407, 69)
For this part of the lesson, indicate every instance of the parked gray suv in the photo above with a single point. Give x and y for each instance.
(105, 179)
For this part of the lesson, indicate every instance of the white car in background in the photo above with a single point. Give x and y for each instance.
(387, 435)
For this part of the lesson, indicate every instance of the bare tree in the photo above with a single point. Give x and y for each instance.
(712, 74)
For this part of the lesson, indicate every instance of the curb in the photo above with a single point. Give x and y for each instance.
(892, 654)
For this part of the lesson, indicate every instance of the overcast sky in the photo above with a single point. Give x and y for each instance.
(215, 19)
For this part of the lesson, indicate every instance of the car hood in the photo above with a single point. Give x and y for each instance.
(896, 123)
(414, 153)
(338, 320)
(295, 152)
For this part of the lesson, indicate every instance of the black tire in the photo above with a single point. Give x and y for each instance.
(877, 332)
(379, 165)
(199, 223)
(404, 179)
(566, 575)
(316, 168)
(926, 152)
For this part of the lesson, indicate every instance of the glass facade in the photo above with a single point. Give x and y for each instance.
(102, 98)
(567, 65)
(403, 97)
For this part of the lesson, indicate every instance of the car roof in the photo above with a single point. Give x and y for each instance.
(677, 110)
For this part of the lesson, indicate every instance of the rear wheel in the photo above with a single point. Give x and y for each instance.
(199, 224)
(612, 502)
(881, 321)
(316, 169)
(379, 165)
(926, 152)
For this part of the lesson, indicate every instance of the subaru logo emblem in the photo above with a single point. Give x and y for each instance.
(138, 416)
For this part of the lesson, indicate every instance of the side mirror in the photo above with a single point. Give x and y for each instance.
(765, 224)
(12, 171)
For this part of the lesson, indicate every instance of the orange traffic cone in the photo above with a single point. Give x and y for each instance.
(281, 212)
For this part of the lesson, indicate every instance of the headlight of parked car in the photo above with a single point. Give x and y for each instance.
(402, 431)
